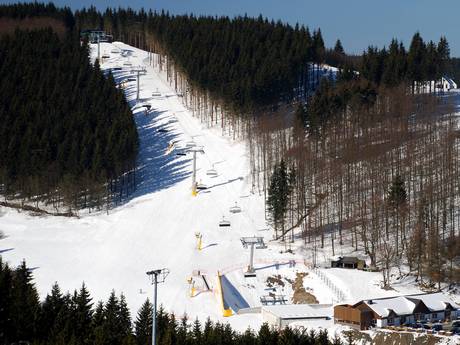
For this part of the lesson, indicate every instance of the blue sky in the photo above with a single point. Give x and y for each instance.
(358, 23)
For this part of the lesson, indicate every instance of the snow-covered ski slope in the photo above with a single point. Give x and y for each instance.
(156, 227)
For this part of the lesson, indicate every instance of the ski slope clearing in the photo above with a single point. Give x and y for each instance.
(157, 226)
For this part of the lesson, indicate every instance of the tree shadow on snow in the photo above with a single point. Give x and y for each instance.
(155, 168)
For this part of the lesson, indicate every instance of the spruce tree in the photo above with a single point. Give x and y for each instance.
(143, 324)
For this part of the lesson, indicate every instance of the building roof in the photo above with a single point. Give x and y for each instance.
(405, 305)
(347, 259)
(300, 311)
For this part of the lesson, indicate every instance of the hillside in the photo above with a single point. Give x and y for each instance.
(65, 130)
(156, 227)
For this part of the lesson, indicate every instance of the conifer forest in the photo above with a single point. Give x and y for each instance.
(66, 131)
(180, 142)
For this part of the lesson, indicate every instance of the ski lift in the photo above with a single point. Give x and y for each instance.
(105, 56)
(180, 151)
(201, 186)
(156, 93)
(224, 222)
(131, 79)
(190, 144)
(235, 209)
(212, 172)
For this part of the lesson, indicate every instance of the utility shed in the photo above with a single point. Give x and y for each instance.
(348, 262)
(280, 316)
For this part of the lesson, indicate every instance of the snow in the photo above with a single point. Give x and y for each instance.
(295, 311)
(157, 226)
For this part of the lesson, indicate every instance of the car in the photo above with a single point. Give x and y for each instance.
(436, 327)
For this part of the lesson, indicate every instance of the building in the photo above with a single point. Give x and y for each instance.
(280, 316)
(446, 84)
(348, 262)
(395, 311)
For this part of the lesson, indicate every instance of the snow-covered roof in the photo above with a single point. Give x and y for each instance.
(405, 305)
(451, 82)
(436, 301)
(300, 311)
(383, 307)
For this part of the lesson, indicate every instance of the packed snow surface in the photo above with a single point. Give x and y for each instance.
(157, 226)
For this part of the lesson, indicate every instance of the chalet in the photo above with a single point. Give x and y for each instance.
(348, 262)
(395, 311)
(446, 84)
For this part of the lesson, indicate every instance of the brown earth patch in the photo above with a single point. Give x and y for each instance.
(274, 280)
(301, 296)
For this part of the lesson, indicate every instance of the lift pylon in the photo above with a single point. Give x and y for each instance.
(251, 242)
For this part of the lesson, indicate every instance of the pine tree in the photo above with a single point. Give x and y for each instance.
(143, 324)
(25, 306)
(6, 303)
(83, 316)
(338, 48)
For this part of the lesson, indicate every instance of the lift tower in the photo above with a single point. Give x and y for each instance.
(195, 150)
(252, 242)
(139, 70)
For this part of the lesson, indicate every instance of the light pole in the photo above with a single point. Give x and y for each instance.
(156, 276)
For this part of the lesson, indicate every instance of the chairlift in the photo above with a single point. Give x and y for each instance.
(235, 209)
(156, 93)
(105, 56)
(224, 222)
(190, 144)
(212, 172)
(201, 186)
(131, 79)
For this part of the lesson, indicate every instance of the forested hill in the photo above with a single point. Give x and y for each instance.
(246, 63)
(35, 16)
(65, 129)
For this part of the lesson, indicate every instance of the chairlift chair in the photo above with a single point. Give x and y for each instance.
(190, 144)
(212, 172)
(201, 186)
(224, 222)
(235, 209)
(156, 93)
